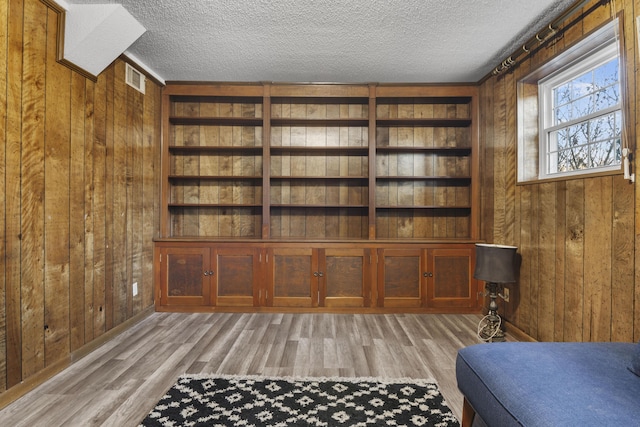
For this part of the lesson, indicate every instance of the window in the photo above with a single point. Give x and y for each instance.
(581, 116)
(570, 119)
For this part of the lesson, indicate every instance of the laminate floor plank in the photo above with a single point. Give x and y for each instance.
(120, 382)
(302, 357)
(103, 405)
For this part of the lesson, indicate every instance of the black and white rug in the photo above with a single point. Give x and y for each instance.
(222, 400)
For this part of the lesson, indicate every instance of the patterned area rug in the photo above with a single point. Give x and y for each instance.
(220, 400)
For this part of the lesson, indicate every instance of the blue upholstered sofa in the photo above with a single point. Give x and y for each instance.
(550, 384)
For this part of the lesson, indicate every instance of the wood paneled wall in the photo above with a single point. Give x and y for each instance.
(79, 164)
(579, 278)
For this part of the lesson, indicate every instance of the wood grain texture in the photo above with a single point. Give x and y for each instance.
(578, 274)
(622, 285)
(96, 294)
(13, 244)
(56, 203)
(560, 283)
(76, 214)
(150, 190)
(32, 188)
(546, 257)
(119, 383)
(487, 204)
(58, 184)
(3, 237)
(90, 309)
(597, 261)
(109, 196)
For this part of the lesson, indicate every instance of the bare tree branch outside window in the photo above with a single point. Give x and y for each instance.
(590, 106)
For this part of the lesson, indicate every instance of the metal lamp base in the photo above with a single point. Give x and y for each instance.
(491, 330)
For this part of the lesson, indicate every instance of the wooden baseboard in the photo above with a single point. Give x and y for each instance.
(517, 333)
(332, 310)
(19, 390)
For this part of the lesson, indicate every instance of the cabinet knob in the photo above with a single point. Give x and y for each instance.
(320, 273)
(427, 274)
(315, 274)
(209, 273)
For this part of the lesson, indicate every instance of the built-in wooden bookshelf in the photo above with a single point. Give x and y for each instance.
(318, 195)
(424, 165)
(319, 166)
(320, 162)
(213, 167)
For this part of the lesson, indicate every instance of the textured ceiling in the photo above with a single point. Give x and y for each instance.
(432, 41)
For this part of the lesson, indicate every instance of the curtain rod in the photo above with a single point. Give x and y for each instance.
(541, 37)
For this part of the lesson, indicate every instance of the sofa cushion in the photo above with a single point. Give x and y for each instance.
(635, 360)
(545, 384)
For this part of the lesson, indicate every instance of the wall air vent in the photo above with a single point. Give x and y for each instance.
(135, 78)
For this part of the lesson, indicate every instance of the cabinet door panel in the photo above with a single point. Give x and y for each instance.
(346, 278)
(452, 284)
(452, 280)
(400, 278)
(235, 277)
(292, 280)
(182, 276)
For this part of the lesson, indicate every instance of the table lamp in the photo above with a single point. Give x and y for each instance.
(495, 265)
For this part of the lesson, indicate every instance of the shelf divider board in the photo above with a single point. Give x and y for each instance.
(429, 207)
(318, 178)
(337, 122)
(455, 151)
(215, 177)
(196, 149)
(354, 151)
(266, 162)
(215, 205)
(411, 122)
(424, 178)
(372, 160)
(165, 220)
(313, 206)
(219, 121)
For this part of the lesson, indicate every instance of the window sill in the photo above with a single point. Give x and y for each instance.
(585, 175)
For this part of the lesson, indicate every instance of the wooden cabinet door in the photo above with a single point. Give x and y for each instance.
(346, 277)
(185, 274)
(293, 277)
(451, 282)
(400, 278)
(236, 277)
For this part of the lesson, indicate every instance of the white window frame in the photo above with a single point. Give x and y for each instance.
(529, 107)
(603, 54)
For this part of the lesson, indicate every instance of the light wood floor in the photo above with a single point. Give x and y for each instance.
(119, 383)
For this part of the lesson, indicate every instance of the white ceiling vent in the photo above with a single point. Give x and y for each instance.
(135, 78)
